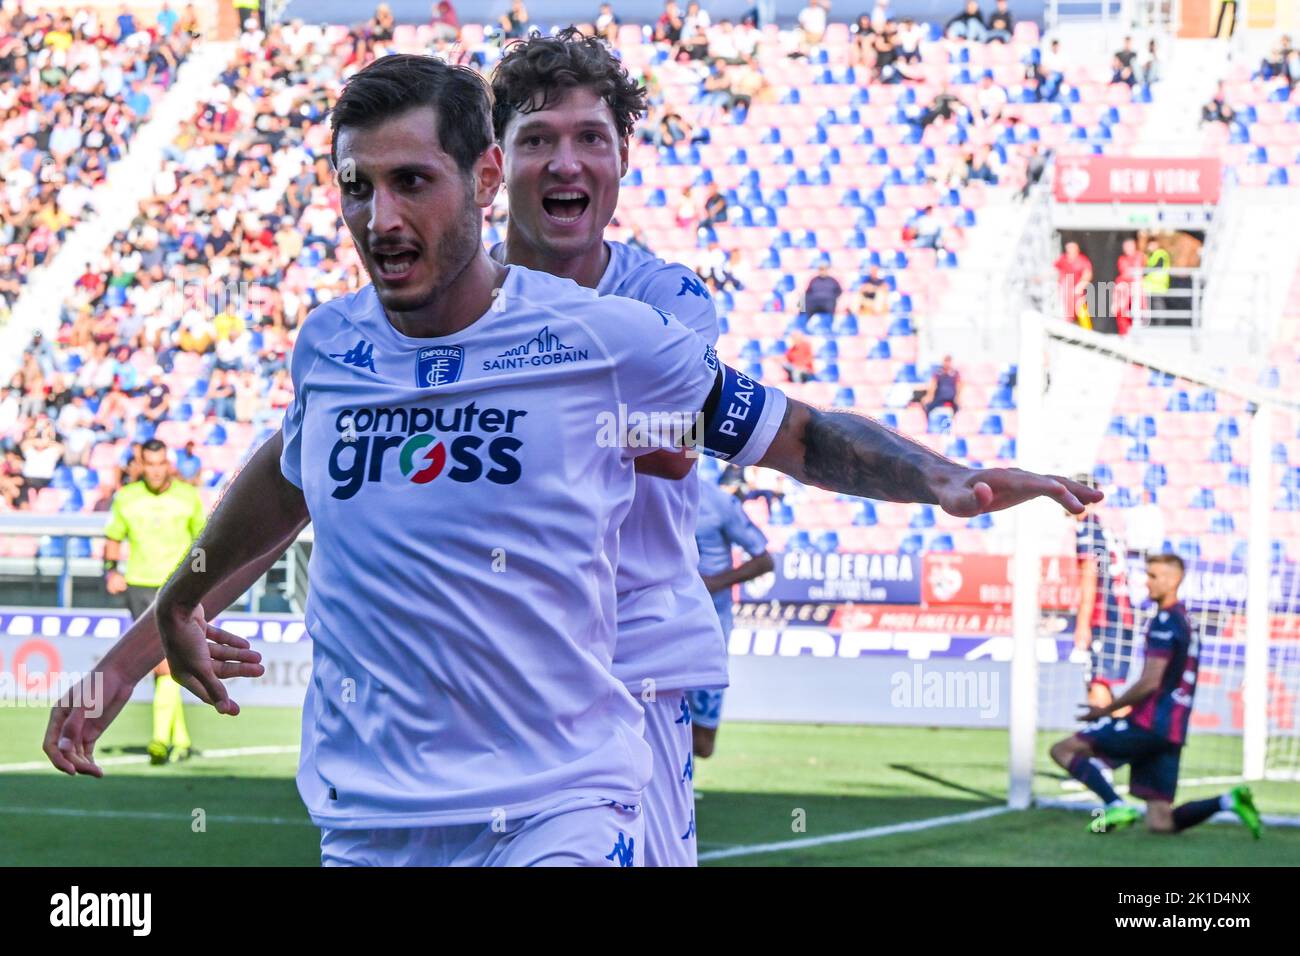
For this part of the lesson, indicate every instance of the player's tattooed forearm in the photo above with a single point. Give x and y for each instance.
(855, 455)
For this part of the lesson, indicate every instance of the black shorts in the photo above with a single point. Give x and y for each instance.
(138, 600)
(1153, 761)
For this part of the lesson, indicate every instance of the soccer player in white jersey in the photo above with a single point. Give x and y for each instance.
(450, 439)
(563, 110)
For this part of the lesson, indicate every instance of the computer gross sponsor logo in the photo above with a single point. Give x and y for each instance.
(463, 443)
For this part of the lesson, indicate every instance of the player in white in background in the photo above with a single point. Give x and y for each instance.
(721, 527)
(462, 708)
(564, 108)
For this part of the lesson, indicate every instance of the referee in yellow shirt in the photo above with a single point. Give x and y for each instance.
(161, 517)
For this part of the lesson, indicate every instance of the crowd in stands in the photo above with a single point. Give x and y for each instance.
(182, 328)
(74, 88)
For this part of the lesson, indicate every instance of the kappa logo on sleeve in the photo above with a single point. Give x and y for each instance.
(361, 355)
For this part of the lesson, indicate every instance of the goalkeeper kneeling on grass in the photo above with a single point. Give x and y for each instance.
(1152, 735)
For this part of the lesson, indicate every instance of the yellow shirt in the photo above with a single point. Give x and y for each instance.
(160, 529)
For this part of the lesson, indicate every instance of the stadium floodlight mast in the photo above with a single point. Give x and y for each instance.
(1266, 751)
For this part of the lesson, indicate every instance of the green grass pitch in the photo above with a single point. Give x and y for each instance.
(764, 781)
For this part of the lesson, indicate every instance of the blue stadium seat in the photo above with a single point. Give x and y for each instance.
(1289, 501)
(775, 347)
(1179, 401)
(880, 350)
(890, 420)
(1156, 476)
(656, 198)
(941, 542)
(828, 350)
(1220, 452)
(940, 421)
(782, 514)
(957, 448)
(922, 517)
(633, 177)
(828, 542)
(992, 425)
(908, 374)
(1124, 498)
(845, 397)
(1189, 549)
(912, 544)
(1103, 474)
(1239, 476)
(52, 547)
(1222, 523)
(830, 372)
(819, 323)
(752, 349)
(1006, 451)
(980, 522)
(865, 515)
(1202, 499)
(1291, 477)
(62, 478)
(846, 325)
(1227, 429)
(799, 541)
(1118, 427)
(1279, 453)
(1138, 451)
(1002, 399)
(1205, 402)
(901, 326)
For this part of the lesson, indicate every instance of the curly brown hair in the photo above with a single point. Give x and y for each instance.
(550, 64)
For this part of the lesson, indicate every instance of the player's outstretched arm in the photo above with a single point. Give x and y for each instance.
(852, 454)
(83, 714)
(262, 509)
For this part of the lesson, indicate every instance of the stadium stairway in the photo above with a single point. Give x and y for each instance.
(116, 203)
(976, 314)
(1252, 262)
(1191, 68)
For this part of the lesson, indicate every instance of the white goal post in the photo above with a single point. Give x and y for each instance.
(1252, 673)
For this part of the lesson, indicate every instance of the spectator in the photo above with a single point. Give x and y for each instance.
(1053, 63)
(716, 87)
(13, 486)
(862, 33)
(812, 25)
(1001, 23)
(748, 38)
(157, 396)
(747, 85)
(638, 241)
(910, 36)
(607, 24)
(799, 360)
(941, 108)
(446, 22)
(1274, 64)
(990, 98)
(968, 25)
(981, 166)
(42, 453)
(1035, 166)
(715, 206)
(1124, 64)
(381, 24)
(673, 129)
(669, 26)
(924, 230)
(945, 388)
(515, 23)
(1156, 279)
(1149, 72)
(1128, 285)
(823, 292)
(873, 294)
(1218, 110)
(688, 213)
(879, 15)
(1074, 272)
(885, 46)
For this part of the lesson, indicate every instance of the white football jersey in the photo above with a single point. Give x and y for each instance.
(466, 493)
(667, 631)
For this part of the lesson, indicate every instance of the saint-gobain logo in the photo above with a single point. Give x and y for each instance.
(439, 365)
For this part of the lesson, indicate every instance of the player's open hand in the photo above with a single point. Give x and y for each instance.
(201, 655)
(970, 492)
(1092, 714)
(80, 718)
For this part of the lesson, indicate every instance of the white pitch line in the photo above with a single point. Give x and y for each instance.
(870, 833)
(144, 758)
(148, 815)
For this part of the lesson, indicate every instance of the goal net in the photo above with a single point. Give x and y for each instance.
(1196, 461)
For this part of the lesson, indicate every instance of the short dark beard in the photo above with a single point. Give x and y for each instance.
(452, 256)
